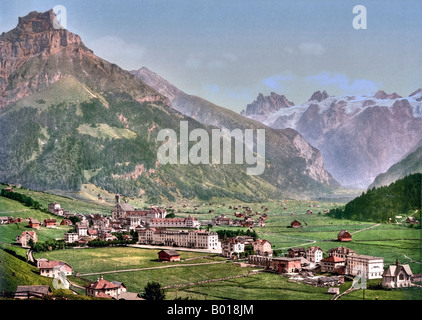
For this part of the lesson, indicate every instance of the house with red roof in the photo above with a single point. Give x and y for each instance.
(332, 264)
(104, 289)
(344, 236)
(53, 269)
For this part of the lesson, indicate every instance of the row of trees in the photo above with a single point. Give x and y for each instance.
(22, 198)
(225, 233)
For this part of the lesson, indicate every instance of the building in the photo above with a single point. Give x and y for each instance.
(55, 208)
(169, 255)
(332, 264)
(4, 220)
(286, 264)
(232, 247)
(53, 269)
(199, 239)
(49, 223)
(373, 266)
(27, 292)
(296, 252)
(397, 276)
(66, 222)
(24, 238)
(189, 222)
(9, 189)
(340, 252)
(70, 237)
(314, 254)
(295, 224)
(34, 224)
(82, 228)
(102, 289)
(121, 288)
(222, 220)
(262, 248)
(344, 236)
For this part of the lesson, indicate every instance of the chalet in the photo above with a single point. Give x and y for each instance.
(285, 264)
(296, 252)
(169, 255)
(27, 292)
(295, 224)
(49, 223)
(55, 208)
(309, 212)
(374, 266)
(262, 247)
(397, 276)
(66, 222)
(340, 252)
(344, 236)
(102, 289)
(24, 238)
(16, 220)
(53, 269)
(332, 264)
(314, 254)
(248, 222)
(70, 237)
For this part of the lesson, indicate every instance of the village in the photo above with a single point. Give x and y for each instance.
(151, 228)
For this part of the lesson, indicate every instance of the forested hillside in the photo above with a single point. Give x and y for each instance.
(379, 204)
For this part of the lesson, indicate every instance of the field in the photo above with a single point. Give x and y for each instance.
(390, 241)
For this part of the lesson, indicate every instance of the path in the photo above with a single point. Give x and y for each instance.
(145, 246)
(151, 268)
(374, 226)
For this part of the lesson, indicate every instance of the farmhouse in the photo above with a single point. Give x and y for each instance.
(24, 238)
(34, 223)
(169, 255)
(397, 276)
(53, 269)
(344, 236)
(66, 222)
(373, 266)
(27, 292)
(102, 289)
(296, 252)
(295, 224)
(49, 223)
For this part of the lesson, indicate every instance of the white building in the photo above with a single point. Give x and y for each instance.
(314, 254)
(397, 276)
(70, 237)
(82, 228)
(199, 239)
(373, 266)
(189, 222)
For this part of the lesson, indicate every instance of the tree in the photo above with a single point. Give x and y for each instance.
(153, 291)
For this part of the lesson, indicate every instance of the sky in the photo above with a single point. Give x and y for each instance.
(230, 51)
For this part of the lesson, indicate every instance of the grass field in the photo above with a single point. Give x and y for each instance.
(390, 241)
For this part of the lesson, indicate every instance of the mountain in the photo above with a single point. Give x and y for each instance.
(70, 118)
(409, 165)
(267, 105)
(359, 136)
(402, 197)
(294, 166)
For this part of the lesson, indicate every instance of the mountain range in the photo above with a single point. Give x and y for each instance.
(359, 136)
(68, 117)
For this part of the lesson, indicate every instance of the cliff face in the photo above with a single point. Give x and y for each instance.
(37, 54)
(265, 105)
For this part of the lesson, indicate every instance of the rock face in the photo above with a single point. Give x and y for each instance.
(359, 136)
(37, 53)
(267, 105)
(294, 166)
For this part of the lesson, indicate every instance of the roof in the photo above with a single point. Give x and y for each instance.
(103, 295)
(125, 206)
(129, 296)
(101, 284)
(34, 221)
(343, 232)
(39, 289)
(50, 220)
(171, 253)
(287, 259)
(394, 270)
(332, 259)
(118, 283)
(53, 264)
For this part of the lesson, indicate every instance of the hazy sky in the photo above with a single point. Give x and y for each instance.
(229, 51)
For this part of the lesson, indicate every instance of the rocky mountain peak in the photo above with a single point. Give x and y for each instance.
(318, 96)
(264, 105)
(383, 95)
